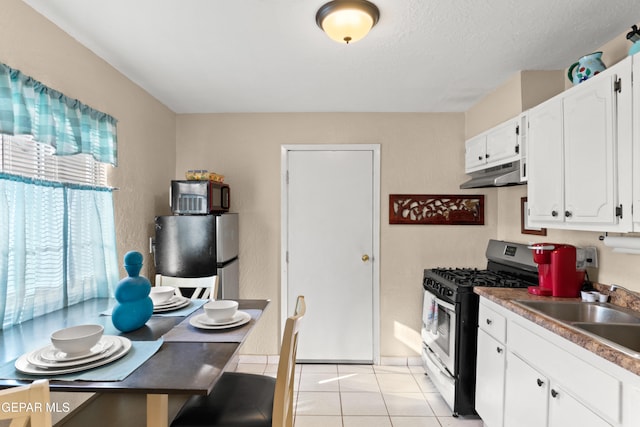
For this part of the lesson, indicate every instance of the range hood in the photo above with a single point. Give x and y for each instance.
(497, 176)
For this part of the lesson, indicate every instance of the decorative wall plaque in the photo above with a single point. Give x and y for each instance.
(462, 209)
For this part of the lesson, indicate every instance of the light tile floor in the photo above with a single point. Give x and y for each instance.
(366, 396)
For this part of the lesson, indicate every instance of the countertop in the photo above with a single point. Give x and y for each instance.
(505, 297)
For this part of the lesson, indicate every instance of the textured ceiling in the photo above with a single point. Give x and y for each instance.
(200, 56)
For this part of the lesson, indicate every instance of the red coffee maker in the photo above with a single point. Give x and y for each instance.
(557, 272)
(542, 257)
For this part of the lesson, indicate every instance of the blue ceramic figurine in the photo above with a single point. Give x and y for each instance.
(134, 306)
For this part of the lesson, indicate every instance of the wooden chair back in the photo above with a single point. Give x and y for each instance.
(204, 287)
(283, 396)
(27, 405)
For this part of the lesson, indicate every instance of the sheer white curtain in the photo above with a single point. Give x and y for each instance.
(57, 247)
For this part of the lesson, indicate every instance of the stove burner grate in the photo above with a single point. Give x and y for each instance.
(469, 277)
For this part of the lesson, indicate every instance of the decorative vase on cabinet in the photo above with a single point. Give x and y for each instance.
(134, 306)
(586, 67)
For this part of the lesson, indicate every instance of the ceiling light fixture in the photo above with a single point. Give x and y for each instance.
(347, 20)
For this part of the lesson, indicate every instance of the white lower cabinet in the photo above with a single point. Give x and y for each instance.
(490, 379)
(532, 401)
(528, 376)
(526, 402)
(565, 411)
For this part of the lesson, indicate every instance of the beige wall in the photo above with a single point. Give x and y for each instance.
(146, 128)
(420, 154)
(525, 89)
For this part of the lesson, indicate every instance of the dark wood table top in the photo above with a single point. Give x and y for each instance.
(177, 368)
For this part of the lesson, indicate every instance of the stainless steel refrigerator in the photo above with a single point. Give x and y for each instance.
(198, 246)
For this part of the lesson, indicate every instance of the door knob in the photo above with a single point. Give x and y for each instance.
(365, 258)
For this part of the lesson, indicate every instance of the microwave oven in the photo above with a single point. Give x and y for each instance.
(198, 197)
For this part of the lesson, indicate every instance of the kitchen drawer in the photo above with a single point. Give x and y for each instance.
(492, 323)
(596, 389)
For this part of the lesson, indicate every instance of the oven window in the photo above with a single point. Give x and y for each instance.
(444, 324)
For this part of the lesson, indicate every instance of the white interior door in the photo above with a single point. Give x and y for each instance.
(330, 245)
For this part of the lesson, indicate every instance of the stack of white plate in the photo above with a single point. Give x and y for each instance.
(176, 302)
(203, 321)
(49, 360)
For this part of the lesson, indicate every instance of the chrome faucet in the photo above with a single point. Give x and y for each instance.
(614, 287)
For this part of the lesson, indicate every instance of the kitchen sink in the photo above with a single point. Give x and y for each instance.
(625, 335)
(612, 325)
(576, 311)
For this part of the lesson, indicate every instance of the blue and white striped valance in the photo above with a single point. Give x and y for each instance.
(27, 107)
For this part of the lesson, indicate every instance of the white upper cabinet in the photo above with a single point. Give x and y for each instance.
(475, 153)
(580, 154)
(636, 143)
(502, 142)
(497, 146)
(545, 161)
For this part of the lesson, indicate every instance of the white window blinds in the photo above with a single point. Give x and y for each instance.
(20, 155)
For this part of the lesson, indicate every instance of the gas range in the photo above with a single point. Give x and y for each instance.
(448, 282)
(450, 317)
(510, 265)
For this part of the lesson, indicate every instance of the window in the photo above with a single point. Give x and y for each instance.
(57, 232)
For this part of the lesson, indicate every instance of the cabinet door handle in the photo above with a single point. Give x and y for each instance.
(479, 157)
(489, 321)
(554, 213)
(568, 214)
(486, 155)
(540, 382)
(554, 393)
(499, 350)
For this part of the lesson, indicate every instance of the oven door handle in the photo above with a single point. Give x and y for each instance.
(445, 304)
(436, 361)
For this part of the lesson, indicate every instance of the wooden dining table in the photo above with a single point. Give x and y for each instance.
(189, 362)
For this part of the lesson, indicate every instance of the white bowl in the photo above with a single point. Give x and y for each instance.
(589, 296)
(221, 310)
(77, 339)
(161, 294)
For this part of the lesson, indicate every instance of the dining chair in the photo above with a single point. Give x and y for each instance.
(250, 400)
(203, 287)
(26, 405)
